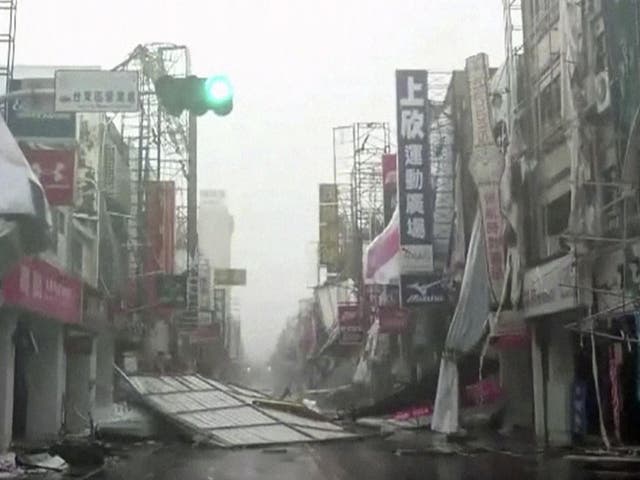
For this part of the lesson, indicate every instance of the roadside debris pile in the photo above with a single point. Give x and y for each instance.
(223, 415)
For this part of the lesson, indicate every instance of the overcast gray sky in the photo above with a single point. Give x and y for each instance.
(299, 68)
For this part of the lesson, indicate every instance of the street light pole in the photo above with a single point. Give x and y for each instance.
(192, 193)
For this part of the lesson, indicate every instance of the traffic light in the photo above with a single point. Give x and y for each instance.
(194, 94)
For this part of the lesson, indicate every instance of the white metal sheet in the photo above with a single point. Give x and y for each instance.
(226, 413)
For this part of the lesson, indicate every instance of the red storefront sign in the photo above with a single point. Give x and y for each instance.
(55, 169)
(39, 287)
(160, 217)
(393, 319)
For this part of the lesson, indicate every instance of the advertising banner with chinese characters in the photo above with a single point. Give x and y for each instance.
(39, 287)
(55, 170)
(414, 181)
(160, 220)
(389, 184)
(328, 251)
(487, 167)
(350, 324)
(96, 91)
(33, 116)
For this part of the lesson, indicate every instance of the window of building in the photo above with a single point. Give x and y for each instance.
(557, 215)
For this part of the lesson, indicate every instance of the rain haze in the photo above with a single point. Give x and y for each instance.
(299, 69)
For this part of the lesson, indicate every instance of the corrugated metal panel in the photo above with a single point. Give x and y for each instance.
(226, 414)
(261, 435)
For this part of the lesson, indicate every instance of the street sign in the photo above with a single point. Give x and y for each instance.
(96, 91)
(230, 277)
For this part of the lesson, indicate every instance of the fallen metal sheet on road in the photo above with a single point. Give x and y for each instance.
(228, 415)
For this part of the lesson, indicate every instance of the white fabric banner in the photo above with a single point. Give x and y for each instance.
(446, 409)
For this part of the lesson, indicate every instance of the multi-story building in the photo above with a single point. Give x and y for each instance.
(215, 231)
(59, 303)
(575, 115)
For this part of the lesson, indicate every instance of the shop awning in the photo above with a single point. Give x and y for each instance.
(22, 198)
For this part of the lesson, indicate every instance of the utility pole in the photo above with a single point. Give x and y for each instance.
(192, 193)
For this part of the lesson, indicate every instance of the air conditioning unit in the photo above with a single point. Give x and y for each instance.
(602, 91)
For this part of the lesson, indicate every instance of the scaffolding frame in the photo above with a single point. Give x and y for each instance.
(7, 46)
(159, 146)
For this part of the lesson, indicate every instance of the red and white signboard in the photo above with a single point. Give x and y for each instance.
(487, 167)
(350, 323)
(39, 287)
(393, 319)
(55, 169)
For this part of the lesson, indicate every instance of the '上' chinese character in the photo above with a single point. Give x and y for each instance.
(413, 88)
(415, 203)
(414, 179)
(411, 124)
(416, 228)
(413, 154)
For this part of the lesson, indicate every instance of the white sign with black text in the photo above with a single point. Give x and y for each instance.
(96, 91)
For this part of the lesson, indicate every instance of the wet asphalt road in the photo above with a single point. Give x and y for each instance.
(370, 459)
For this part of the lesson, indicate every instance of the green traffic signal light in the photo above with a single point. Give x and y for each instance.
(219, 94)
(194, 94)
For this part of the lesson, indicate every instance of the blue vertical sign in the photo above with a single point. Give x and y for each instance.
(417, 285)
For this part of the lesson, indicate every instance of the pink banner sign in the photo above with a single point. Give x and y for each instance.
(414, 412)
(39, 287)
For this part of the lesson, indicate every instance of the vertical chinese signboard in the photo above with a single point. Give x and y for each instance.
(350, 324)
(414, 187)
(389, 184)
(328, 223)
(487, 166)
(160, 217)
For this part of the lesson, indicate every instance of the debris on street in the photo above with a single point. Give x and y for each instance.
(42, 461)
(125, 421)
(8, 466)
(228, 415)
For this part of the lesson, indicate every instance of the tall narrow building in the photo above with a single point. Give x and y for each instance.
(215, 230)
